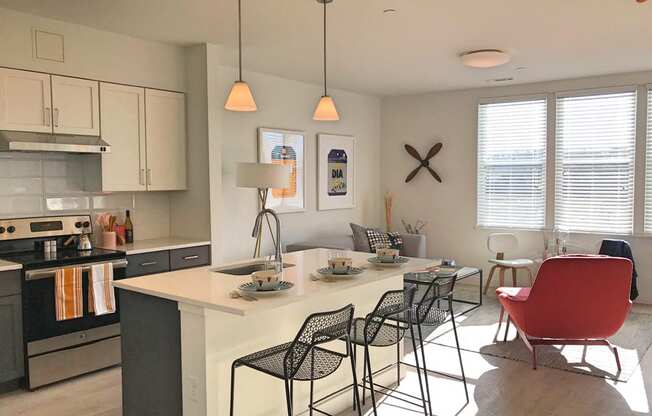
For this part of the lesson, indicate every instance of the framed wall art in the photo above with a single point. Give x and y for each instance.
(336, 175)
(285, 147)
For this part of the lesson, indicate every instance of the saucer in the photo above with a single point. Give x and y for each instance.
(396, 263)
(250, 288)
(328, 272)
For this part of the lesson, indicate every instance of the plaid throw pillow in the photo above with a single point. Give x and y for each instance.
(379, 239)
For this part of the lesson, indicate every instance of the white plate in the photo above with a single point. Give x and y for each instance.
(250, 289)
(398, 263)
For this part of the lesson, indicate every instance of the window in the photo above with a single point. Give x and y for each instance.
(595, 149)
(512, 164)
(648, 166)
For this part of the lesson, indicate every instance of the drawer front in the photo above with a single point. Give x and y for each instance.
(185, 258)
(10, 283)
(148, 263)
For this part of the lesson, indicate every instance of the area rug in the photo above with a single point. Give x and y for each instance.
(478, 330)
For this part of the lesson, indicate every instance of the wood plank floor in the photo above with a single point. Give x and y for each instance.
(497, 387)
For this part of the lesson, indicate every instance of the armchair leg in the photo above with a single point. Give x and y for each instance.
(615, 350)
(514, 283)
(507, 328)
(491, 274)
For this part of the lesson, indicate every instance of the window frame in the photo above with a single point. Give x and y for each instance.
(511, 99)
(587, 92)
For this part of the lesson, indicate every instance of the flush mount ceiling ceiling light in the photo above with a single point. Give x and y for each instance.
(240, 98)
(325, 110)
(485, 58)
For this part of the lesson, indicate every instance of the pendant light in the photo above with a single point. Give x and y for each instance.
(240, 98)
(325, 110)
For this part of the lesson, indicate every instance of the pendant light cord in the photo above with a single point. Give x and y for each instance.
(325, 88)
(240, 40)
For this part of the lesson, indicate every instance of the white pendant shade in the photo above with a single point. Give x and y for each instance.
(240, 98)
(263, 175)
(326, 110)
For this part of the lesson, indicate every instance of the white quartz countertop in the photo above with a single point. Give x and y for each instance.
(206, 288)
(158, 244)
(6, 266)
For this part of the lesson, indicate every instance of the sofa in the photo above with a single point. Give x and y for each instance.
(414, 245)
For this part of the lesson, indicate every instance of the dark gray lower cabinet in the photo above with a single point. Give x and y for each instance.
(166, 260)
(148, 263)
(11, 327)
(151, 355)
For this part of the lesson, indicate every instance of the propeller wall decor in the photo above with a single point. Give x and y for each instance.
(423, 163)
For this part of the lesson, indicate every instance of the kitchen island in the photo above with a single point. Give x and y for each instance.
(181, 331)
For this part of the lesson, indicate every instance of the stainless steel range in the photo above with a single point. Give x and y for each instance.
(57, 350)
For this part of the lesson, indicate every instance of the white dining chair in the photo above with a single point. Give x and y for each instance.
(499, 244)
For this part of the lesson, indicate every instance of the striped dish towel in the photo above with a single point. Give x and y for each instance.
(68, 298)
(101, 295)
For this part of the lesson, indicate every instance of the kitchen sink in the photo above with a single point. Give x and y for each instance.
(245, 269)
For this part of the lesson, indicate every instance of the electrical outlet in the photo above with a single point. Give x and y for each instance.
(193, 387)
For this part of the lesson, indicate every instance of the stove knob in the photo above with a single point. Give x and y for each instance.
(78, 224)
(11, 229)
(86, 224)
(2, 230)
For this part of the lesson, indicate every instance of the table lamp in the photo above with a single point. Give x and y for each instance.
(262, 176)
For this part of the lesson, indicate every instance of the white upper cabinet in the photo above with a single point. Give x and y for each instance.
(166, 140)
(75, 106)
(123, 127)
(25, 101)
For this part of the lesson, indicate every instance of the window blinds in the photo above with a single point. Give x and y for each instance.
(512, 164)
(595, 150)
(648, 166)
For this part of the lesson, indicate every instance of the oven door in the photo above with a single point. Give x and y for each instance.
(39, 317)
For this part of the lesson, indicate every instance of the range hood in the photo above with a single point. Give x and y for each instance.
(43, 142)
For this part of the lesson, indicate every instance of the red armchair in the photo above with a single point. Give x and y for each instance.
(575, 300)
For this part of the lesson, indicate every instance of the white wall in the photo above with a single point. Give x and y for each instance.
(104, 56)
(289, 105)
(450, 117)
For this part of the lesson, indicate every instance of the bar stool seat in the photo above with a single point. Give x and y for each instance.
(387, 334)
(271, 361)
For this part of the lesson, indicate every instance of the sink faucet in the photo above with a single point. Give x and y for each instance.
(277, 241)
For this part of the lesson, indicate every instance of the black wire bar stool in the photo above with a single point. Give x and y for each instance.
(304, 359)
(433, 310)
(380, 328)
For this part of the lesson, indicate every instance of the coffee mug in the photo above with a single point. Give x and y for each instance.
(266, 279)
(387, 255)
(340, 265)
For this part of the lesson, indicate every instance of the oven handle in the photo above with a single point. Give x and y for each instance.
(46, 273)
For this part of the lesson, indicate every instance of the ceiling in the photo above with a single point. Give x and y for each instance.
(414, 50)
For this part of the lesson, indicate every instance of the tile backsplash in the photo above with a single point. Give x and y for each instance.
(47, 184)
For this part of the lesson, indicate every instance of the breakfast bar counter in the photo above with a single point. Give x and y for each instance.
(182, 330)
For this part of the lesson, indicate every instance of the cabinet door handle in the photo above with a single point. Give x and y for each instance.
(195, 257)
(148, 263)
(149, 176)
(47, 114)
(141, 177)
(56, 117)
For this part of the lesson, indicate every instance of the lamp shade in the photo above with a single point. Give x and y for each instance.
(326, 110)
(240, 98)
(263, 175)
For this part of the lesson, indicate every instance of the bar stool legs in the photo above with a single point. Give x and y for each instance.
(459, 355)
(425, 369)
(416, 361)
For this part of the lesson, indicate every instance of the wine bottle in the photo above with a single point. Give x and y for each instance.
(129, 229)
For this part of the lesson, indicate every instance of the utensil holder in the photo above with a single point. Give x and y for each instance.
(108, 239)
